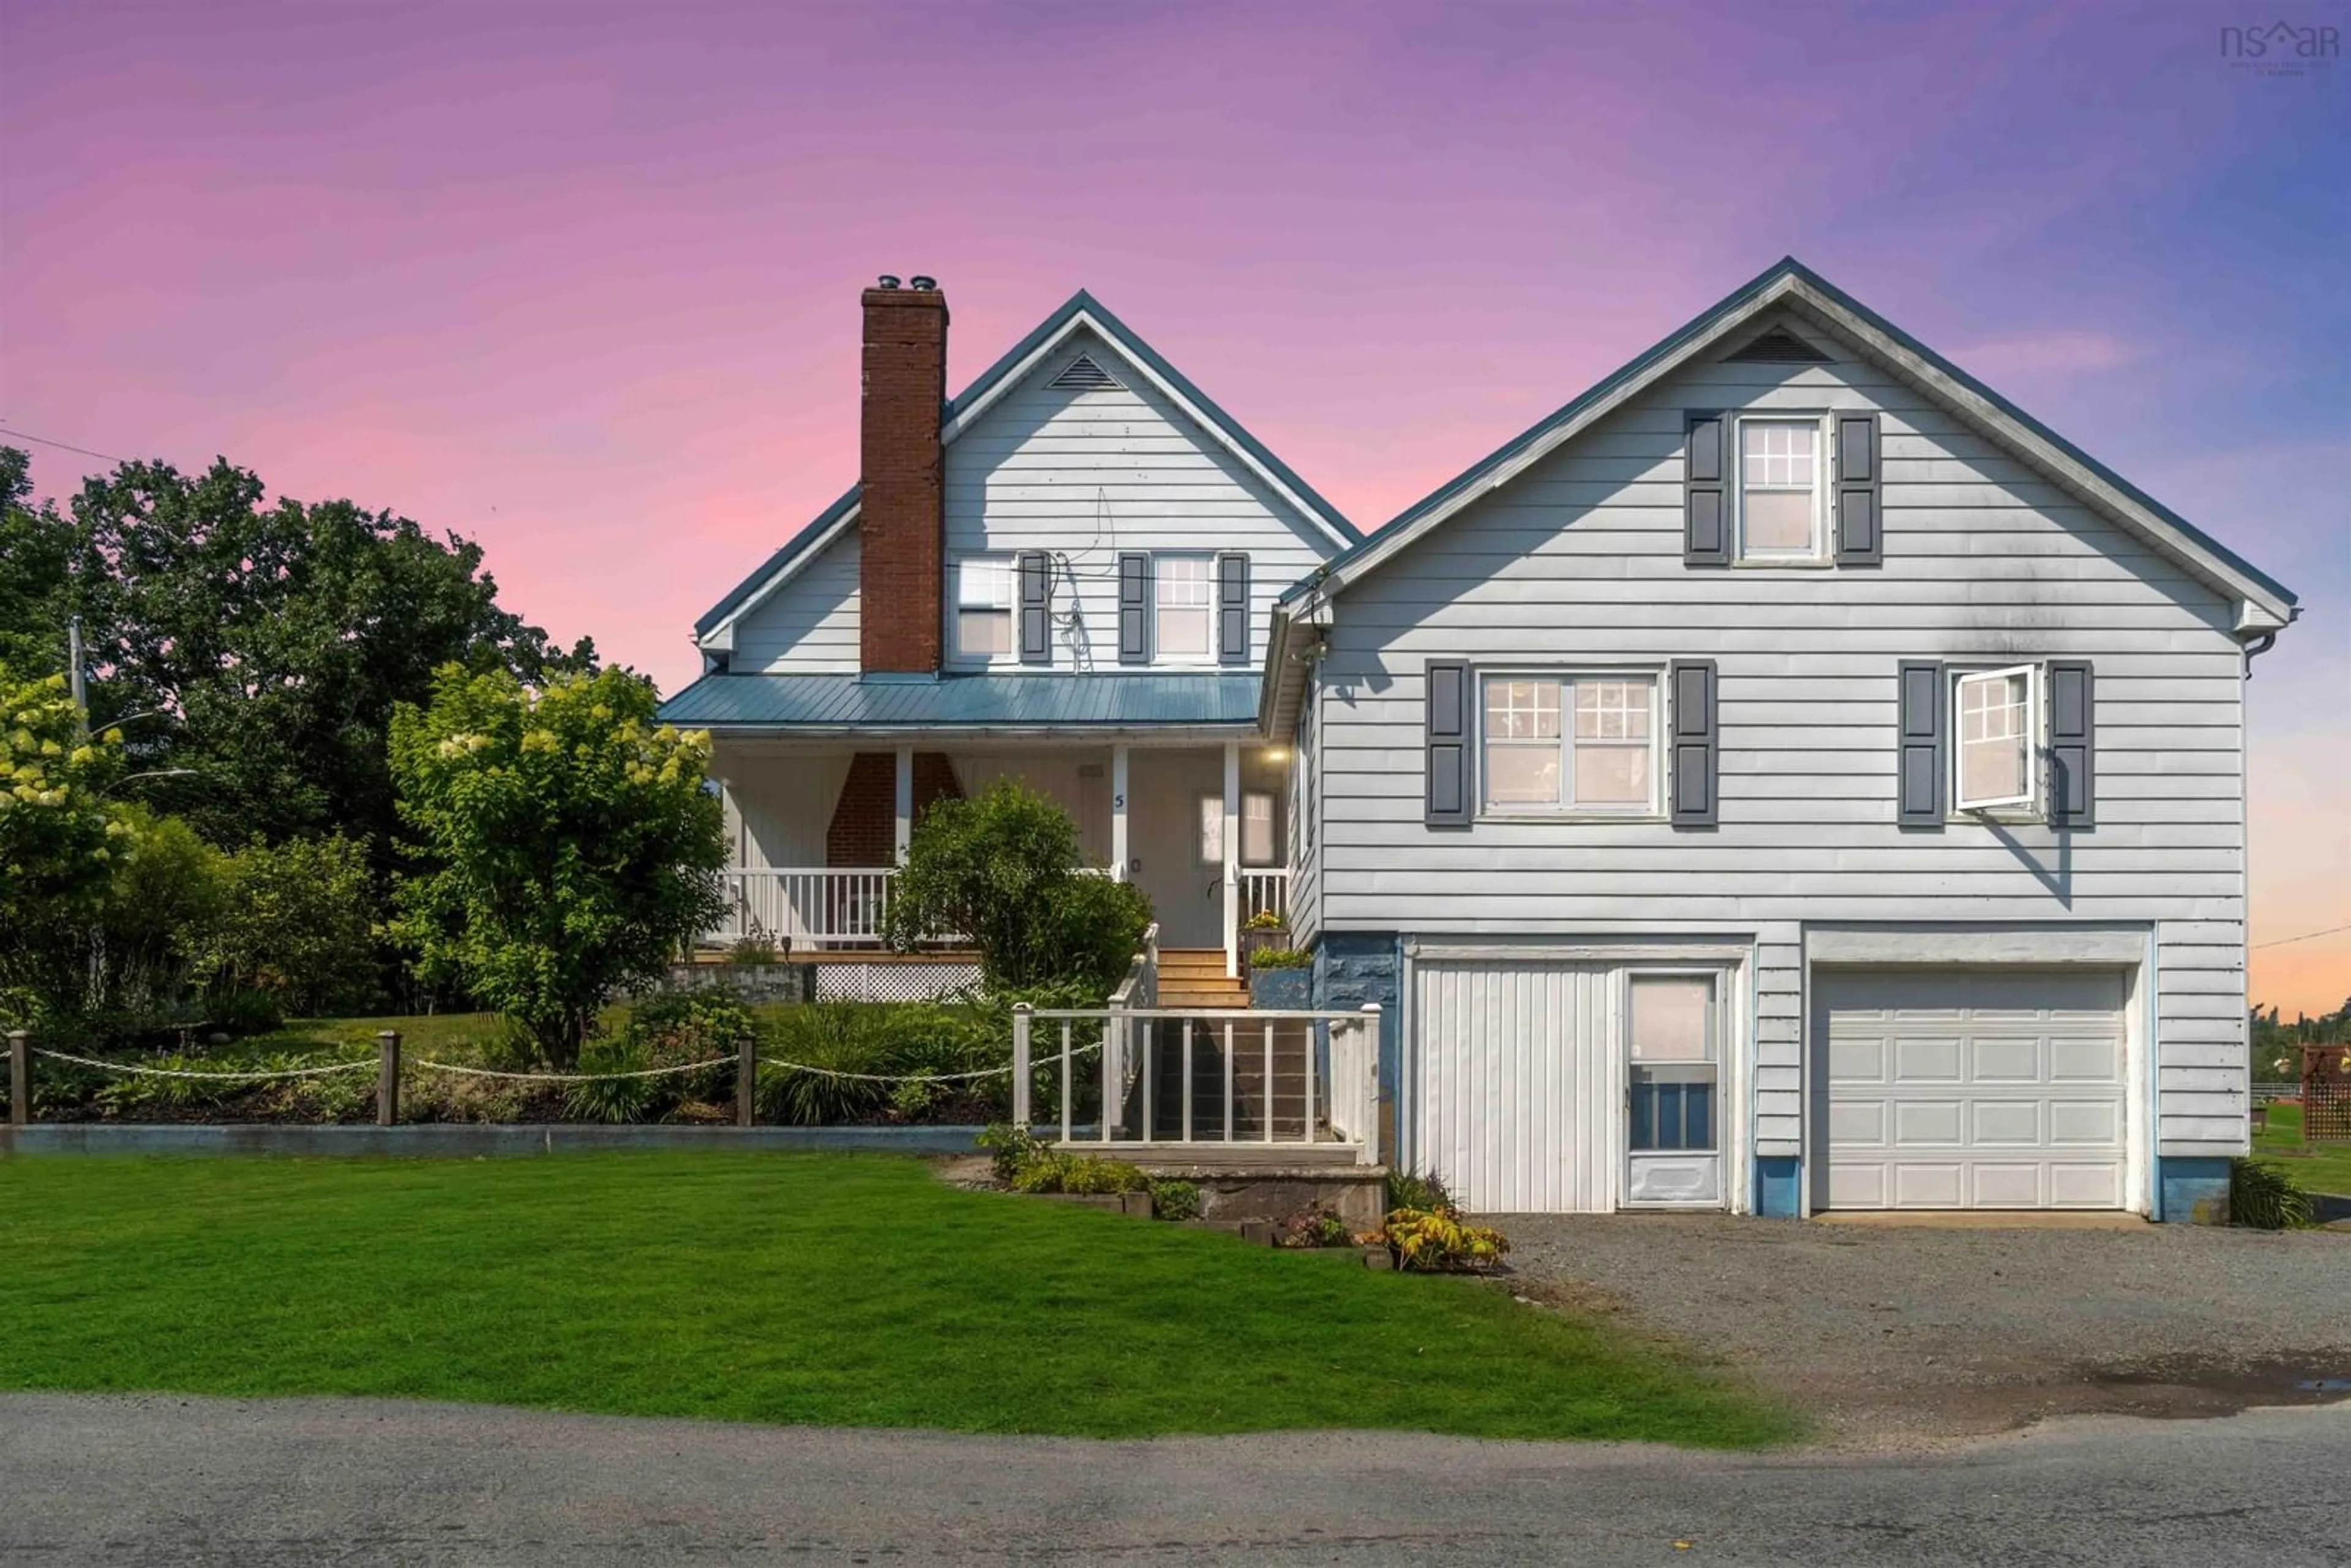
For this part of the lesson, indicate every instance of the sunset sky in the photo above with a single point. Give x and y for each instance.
(578, 280)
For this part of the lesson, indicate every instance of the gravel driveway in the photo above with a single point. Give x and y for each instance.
(1908, 1333)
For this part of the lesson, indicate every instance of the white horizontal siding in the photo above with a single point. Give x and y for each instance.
(1580, 558)
(808, 626)
(1089, 474)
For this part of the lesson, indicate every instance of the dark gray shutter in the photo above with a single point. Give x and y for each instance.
(1036, 604)
(1232, 609)
(1696, 748)
(1135, 609)
(2072, 742)
(1860, 473)
(1447, 720)
(1923, 736)
(1705, 521)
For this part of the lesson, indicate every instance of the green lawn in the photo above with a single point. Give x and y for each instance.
(2326, 1168)
(820, 1288)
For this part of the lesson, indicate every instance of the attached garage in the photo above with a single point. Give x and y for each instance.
(1952, 1089)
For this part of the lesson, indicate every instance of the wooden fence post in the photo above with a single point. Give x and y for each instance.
(387, 1079)
(20, 1077)
(747, 1077)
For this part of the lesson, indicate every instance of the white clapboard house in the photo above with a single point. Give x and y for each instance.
(1788, 777)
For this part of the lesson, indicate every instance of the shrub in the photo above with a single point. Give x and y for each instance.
(1092, 1174)
(1406, 1189)
(296, 921)
(1174, 1200)
(1439, 1241)
(1281, 958)
(1011, 1147)
(573, 847)
(752, 949)
(1028, 1163)
(1315, 1228)
(2265, 1199)
(1002, 870)
(616, 1098)
(881, 1044)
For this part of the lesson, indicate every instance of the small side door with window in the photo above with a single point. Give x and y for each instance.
(1673, 1101)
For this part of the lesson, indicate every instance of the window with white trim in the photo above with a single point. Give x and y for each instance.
(1257, 828)
(984, 606)
(1783, 483)
(1184, 593)
(1998, 723)
(1672, 1024)
(1571, 744)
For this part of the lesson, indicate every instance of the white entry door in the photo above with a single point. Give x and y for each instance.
(1970, 1089)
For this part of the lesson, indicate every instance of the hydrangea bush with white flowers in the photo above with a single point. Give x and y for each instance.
(569, 846)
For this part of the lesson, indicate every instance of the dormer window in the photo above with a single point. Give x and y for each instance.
(1781, 514)
(984, 607)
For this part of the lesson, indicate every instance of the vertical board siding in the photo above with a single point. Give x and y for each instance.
(1517, 1087)
(1581, 558)
(808, 626)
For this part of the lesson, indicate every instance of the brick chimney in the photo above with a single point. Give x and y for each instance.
(902, 513)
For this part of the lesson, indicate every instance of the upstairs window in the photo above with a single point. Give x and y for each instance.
(1185, 595)
(1997, 721)
(984, 607)
(1781, 515)
(1586, 743)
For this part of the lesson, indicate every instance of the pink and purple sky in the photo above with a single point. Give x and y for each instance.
(578, 280)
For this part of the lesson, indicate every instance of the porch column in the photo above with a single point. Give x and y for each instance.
(1232, 837)
(1118, 855)
(904, 828)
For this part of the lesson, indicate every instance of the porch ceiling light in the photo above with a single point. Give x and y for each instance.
(1277, 754)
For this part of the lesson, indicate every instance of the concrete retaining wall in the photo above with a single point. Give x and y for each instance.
(467, 1141)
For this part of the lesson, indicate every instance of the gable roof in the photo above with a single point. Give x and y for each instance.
(1081, 312)
(1789, 282)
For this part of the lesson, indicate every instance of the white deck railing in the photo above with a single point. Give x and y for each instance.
(1272, 1076)
(807, 906)
(1265, 889)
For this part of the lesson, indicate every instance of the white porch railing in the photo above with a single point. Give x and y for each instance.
(808, 907)
(1264, 890)
(1173, 1078)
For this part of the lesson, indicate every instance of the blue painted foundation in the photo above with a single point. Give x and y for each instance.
(2192, 1191)
(1353, 969)
(1281, 988)
(1778, 1185)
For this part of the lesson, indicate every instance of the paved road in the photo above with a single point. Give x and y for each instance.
(140, 1480)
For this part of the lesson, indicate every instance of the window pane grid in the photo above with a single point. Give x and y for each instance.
(1995, 750)
(1604, 762)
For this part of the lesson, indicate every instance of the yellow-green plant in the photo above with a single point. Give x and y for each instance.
(1439, 1241)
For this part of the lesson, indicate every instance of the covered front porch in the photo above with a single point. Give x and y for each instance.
(817, 829)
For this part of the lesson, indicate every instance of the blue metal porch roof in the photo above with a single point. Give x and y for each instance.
(1032, 702)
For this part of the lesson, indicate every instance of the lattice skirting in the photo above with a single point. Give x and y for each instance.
(886, 982)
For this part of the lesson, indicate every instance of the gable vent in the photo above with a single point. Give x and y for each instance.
(1778, 347)
(1084, 375)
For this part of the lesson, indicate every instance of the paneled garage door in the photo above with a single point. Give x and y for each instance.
(1970, 1089)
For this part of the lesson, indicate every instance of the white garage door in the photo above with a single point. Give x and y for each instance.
(1971, 1088)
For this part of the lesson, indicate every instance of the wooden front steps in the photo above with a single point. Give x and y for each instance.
(1195, 978)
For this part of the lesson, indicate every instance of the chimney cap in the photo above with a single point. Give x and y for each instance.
(888, 280)
(924, 282)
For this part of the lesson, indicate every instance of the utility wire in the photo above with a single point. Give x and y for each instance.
(2303, 938)
(61, 446)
